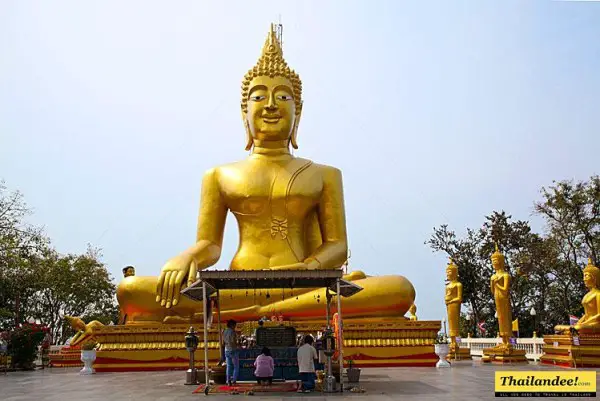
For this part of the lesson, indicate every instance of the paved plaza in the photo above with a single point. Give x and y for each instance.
(464, 381)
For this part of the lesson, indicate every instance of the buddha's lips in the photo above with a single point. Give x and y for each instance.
(271, 120)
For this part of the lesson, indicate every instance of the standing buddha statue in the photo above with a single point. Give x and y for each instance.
(453, 299)
(290, 215)
(500, 287)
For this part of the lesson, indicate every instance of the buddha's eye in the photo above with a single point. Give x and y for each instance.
(257, 98)
(284, 97)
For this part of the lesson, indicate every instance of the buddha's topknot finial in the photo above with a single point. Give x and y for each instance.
(594, 270)
(497, 255)
(271, 64)
(451, 265)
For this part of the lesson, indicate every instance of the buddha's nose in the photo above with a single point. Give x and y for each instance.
(271, 105)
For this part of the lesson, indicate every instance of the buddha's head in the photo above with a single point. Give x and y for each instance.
(451, 271)
(75, 322)
(413, 309)
(128, 271)
(591, 275)
(498, 260)
(271, 97)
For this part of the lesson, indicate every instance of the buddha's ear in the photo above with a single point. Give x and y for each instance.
(247, 128)
(294, 137)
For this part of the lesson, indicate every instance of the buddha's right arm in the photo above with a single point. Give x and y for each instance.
(207, 249)
(333, 252)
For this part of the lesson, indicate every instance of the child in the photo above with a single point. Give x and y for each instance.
(264, 367)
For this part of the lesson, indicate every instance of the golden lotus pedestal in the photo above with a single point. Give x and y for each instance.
(569, 351)
(369, 343)
(459, 354)
(497, 355)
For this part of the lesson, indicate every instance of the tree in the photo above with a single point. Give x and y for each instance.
(472, 256)
(74, 285)
(571, 211)
(20, 242)
(572, 214)
(37, 282)
(546, 270)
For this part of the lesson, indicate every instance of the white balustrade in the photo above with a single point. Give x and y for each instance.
(533, 346)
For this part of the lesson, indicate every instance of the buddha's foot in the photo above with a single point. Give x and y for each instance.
(562, 329)
(502, 348)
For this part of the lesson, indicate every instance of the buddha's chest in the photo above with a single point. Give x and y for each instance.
(589, 300)
(450, 290)
(498, 282)
(259, 189)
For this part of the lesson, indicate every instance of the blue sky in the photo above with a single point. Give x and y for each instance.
(436, 112)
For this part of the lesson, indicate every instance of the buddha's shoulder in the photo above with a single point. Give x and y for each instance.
(217, 171)
(326, 170)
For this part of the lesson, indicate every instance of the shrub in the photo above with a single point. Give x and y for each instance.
(23, 343)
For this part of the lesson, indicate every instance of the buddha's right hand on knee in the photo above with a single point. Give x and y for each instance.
(172, 276)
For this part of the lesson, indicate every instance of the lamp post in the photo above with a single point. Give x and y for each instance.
(445, 326)
(468, 319)
(496, 318)
(532, 312)
(191, 344)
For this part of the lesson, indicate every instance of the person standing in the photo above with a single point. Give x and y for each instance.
(230, 343)
(307, 354)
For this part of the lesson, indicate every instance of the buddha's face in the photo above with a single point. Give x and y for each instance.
(271, 112)
(451, 274)
(130, 271)
(498, 263)
(589, 280)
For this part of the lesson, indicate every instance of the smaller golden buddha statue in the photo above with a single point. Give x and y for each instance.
(453, 299)
(128, 271)
(590, 321)
(84, 331)
(413, 312)
(500, 287)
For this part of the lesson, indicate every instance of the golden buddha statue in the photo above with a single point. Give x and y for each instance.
(453, 299)
(128, 271)
(590, 321)
(82, 330)
(500, 287)
(413, 312)
(290, 215)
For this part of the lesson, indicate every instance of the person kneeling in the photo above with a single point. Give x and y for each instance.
(264, 367)
(307, 354)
